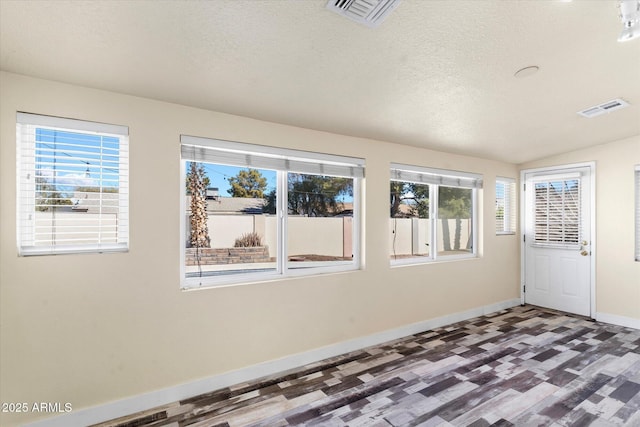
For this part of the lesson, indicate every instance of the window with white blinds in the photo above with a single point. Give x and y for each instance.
(505, 205)
(73, 187)
(637, 185)
(254, 213)
(557, 211)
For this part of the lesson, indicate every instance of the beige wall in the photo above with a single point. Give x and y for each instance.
(89, 329)
(225, 229)
(617, 274)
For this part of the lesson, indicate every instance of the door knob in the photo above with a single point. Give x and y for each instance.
(584, 243)
(584, 253)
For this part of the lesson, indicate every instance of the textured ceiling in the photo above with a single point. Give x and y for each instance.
(437, 74)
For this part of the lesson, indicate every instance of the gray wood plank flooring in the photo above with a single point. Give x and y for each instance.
(526, 366)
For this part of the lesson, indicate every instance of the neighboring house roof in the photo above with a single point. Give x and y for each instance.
(93, 203)
(252, 206)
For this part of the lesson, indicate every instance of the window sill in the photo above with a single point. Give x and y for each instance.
(222, 281)
(68, 250)
(424, 261)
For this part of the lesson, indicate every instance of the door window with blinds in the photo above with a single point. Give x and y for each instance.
(557, 211)
(73, 189)
(253, 213)
(433, 214)
(505, 205)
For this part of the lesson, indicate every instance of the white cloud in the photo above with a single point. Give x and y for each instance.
(69, 180)
(76, 180)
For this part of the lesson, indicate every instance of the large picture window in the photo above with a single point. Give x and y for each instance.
(73, 189)
(433, 214)
(254, 213)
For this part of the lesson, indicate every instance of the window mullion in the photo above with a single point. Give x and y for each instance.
(281, 213)
(356, 239)
(473, 221)
(433, 213)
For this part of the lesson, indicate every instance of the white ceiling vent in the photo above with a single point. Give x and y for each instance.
(607, 107)
(367, 12)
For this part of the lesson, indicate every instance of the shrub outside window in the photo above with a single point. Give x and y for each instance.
(254, 213)
(433, 214)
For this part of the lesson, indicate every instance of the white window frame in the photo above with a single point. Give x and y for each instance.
(437, 178)
(26, 125)
(509, 203)
(282, 161)
(637, 211)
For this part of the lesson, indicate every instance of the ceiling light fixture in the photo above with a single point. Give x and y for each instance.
(630, 16)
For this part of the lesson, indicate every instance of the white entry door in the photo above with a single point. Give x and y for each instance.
(558, 252)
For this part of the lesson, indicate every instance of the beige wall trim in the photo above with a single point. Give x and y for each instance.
(165, 396)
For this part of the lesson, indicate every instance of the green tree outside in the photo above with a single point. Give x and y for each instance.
(454, 203)
(248, 183)
(416, 196)
(312, 195)
(317, 195)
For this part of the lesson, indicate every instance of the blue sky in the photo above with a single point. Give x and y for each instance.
(72, 159)
(219, 175)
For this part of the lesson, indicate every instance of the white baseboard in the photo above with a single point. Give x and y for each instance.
(165, 396)
(628, 322)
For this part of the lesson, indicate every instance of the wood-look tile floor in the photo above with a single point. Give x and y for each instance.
(524, 366)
